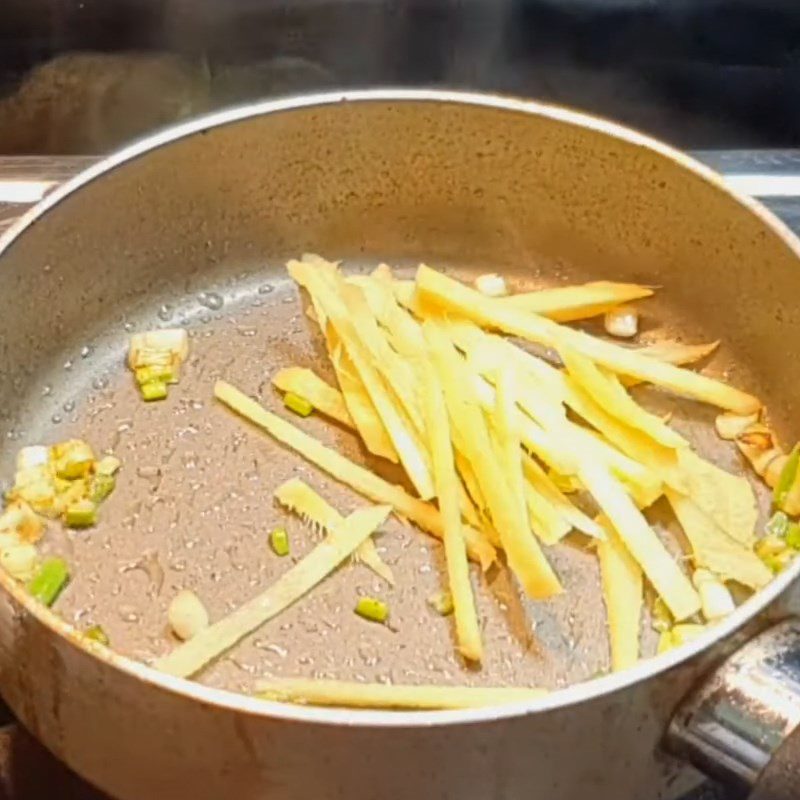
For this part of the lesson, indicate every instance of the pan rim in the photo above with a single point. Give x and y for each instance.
(558, 699)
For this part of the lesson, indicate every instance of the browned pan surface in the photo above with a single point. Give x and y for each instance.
(197, 234)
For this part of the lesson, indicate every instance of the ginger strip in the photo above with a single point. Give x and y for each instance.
(349, 694)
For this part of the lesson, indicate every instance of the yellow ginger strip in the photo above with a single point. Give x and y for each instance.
(673, 352)
(728, 499)
(300, 498)
(407, 445)
(404, 331)
(541, 482)
(391, 696)
(523, 552)
(361, 408)
(306, 383)
(569, 303)
(468, 631)
(615, 400)
(455, 297)
(397, 372)
(423, 514)
(673, 586)
(505, 418)
(190, 657)
(623, 590)
(714, 550)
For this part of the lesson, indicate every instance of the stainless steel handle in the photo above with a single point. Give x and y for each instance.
(742, 725)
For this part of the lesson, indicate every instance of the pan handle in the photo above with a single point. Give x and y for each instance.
(742, 725)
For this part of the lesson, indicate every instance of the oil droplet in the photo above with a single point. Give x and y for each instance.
(55, 419)
(86, 351)
(47, 390)
(128, 326)
(165, 312)
(68, 364)
(69, 406)
(47, 268)
(100, 382)
(211, 300)
(265, 288)
(205, 318)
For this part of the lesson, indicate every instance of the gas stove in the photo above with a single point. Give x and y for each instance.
(27, 770)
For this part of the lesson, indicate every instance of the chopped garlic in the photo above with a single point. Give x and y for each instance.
(36, 486)
(187, 615)
(716, 600)
(21, 521)
(30, 457)
(622, 321)
(148, 348)
(491, 285)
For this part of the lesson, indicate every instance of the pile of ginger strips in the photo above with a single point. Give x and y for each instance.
(509, 451)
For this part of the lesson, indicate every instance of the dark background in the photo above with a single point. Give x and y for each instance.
(83, 76)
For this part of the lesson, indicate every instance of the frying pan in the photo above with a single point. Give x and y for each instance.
(192, 227)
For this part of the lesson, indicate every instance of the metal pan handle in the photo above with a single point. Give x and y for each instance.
(742, 725)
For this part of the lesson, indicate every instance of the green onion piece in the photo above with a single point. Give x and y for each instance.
(97, 634)
(279, 542)
(779, 561)
(793, 536)
(661, 620)
(155, 373)
(778, 525)
(441, 603)
(372, 609)
(107, 465)
(72, 459)
(154, 390)
(102, 486)
(787, 478)
(297, 404)
(81, 515)
(49, 580)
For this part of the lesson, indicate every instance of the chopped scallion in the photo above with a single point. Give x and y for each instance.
(107, 465)
(72, 459)
(155, 373)
(793, 536)
(97, 634)
(49, 580)
(441, 603)
(154, 390)
(661, 620)
(372, 609)
(81, 515)
(102, 486)
(279, 541)
(787, 478)
(778, 525)
(297, 404)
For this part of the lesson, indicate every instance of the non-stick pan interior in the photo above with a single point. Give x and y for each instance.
(196, 233)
